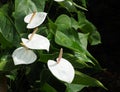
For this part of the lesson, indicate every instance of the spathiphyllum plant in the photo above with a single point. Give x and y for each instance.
(31, 34)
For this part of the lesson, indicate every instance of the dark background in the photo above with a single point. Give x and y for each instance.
(105, 15)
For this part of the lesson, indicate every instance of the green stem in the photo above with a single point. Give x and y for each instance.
(78, 6)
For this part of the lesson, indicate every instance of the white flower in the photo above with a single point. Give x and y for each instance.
(37, 42)
(35, 19)
(23, 56)
(62, 69)
(58, 0)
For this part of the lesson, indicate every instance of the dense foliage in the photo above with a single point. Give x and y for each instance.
(66, 27)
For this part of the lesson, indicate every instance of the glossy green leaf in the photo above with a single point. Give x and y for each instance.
(45, 57)
(66, 28)
(63, 19)
(83, 79)
(67, 41)
(74, 87)
(75, 24)
(68, 4)
(65, 35)
(47, 88)
(83, 38)
(40, 4)
(83, 57)
(6, 31)
(75, 61)
(87, 27)
(4, 43)
(70, 39)
(52, 28)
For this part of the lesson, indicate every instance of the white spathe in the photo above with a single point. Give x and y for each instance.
(37, 20)
(37, 42)
(58, 0)
(23, 56)
(63, 70)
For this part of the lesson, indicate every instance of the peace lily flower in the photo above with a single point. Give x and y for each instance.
(23, 55)
(62, 69)
(58, 0)
(37, 42)
(35, 19)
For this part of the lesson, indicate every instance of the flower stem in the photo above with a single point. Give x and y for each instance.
(24, 45)
(60, 55)
(32, 16)
(35, 30)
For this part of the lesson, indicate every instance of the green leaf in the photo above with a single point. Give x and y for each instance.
(4, 8)
(68, 41)
(65, 35)
(6, 63)
(45, 57)
(4, 43)
(47, 88)
(66, 28)
(75, 61)
(87, 27)
(95, 38)
(40, 4)
(68, 4)
(69, 38)
(75, 24)
(83, 38)
(12, 74)
(83, 79)
(74, 87)
(63, 19)
(7, 31)
(52, 28)
(83, 57)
